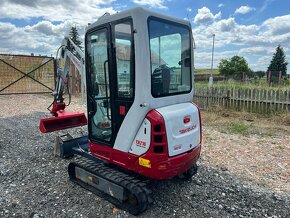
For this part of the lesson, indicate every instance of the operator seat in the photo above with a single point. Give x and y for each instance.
(161, 80)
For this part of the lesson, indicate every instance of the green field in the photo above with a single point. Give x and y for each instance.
(259, 84)
(228, 84)
(206, 71)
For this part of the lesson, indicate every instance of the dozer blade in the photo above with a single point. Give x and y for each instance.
(63, 121)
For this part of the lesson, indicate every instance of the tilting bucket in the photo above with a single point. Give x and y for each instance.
(63, 121)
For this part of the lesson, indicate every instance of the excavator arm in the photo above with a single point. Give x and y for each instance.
(67, 52)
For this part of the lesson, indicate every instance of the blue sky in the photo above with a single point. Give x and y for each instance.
(247, 28)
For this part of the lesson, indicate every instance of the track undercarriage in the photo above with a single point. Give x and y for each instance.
(124, 191)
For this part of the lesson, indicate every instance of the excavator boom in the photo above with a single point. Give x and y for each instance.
(63, 119)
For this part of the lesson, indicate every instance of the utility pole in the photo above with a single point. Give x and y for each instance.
(210, 81)
(213, 36)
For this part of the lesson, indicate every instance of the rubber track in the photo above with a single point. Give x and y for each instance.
(134, 185)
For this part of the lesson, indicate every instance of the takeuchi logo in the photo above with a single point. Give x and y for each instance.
(182, 131)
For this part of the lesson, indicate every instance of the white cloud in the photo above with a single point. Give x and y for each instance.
(205, 16)
(226, 25)
(221, 5)
(56, 18)
(203, 58)
(259, 50)
(7, 29)
(81, 12)
(261, 63)
(227, 32)
(188, 9)
(254, 42)
(46, 28)
(151, 3)
(272, 32)
(120, 6)
(244, 10)
(18, 40)
(278, 25)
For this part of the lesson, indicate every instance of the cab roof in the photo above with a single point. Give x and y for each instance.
(136, 13)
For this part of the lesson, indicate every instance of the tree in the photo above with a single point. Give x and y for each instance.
(260, 73)
(234, 67)
(224, 67)
(75, 83)
(74, 35)
(278, 62)
(251, 73)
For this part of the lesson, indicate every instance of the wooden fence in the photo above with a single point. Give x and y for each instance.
(23, 74)
(251, 100)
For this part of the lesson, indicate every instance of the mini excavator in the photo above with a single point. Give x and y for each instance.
(142, 123)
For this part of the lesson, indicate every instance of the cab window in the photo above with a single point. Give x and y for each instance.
(170, 57)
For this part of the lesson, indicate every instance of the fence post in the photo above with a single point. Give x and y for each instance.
(228, 99)
(288, 101)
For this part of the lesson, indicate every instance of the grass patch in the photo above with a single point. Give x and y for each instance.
(241, 86)
(207, 71)
(238, 128)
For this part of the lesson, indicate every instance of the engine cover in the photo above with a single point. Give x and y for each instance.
(183, 131)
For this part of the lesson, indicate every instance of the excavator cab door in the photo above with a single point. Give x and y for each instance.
(110, 79)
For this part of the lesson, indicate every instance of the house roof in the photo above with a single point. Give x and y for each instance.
(123, 52)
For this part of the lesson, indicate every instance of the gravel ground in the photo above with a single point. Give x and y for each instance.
(34, 183)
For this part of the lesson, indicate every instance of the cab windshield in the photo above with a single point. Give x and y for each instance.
(170, 57)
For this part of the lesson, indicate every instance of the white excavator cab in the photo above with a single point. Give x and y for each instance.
(136, 61)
